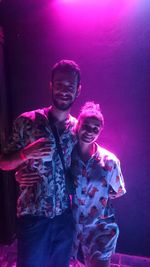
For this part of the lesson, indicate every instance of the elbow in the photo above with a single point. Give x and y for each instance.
(5, 165)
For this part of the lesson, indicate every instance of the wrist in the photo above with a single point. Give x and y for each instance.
(22, 155)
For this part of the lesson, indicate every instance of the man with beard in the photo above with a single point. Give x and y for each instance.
(45, 224)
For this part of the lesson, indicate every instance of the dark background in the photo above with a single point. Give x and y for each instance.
(110, 41)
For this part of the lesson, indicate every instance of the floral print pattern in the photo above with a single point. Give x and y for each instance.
(48, 197)
(96, 182)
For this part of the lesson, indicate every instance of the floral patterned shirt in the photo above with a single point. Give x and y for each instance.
(97, 181)
(48, 197)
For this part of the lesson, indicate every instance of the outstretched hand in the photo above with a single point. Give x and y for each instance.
(38, 149)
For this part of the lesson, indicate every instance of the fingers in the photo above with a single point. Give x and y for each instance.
(40, 143)
(45, 149)
(27, 181)
(41, 154)
(44, 141)
(27, 184)
(38, 148)
(32, 175)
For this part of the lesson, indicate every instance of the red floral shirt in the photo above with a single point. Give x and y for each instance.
(97, 181)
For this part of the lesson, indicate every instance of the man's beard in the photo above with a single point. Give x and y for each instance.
(61, 106)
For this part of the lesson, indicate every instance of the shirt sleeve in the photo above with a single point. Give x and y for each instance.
(17, 139)
(117, 185)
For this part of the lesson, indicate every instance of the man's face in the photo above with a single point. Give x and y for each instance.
(88, 129)
(64, 90)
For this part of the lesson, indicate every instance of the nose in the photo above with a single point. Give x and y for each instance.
(63, 88)
(89, 130)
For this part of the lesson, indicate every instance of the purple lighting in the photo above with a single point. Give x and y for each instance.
(82, 1)
(97, 2)
(87, 14)
(67, 1)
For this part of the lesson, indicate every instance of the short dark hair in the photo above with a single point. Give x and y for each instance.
(66, 65)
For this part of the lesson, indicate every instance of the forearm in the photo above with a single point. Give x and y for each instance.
(40, 148)
(10, 162)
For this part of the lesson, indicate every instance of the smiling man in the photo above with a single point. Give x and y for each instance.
(45, 224)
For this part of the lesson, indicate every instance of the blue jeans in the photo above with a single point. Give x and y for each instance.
(45, 242)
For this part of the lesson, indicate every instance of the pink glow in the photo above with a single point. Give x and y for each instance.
(81, 13)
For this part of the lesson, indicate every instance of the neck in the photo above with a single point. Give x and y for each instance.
(86, 150)
(60, 115)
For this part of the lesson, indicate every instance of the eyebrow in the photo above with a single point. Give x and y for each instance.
(95, 125)
(60, 81)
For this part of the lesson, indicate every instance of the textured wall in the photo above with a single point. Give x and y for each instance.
(110, 40)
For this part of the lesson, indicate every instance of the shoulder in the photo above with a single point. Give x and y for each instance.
(32, 115)
(72, 120)
(106, 156)
(72, 125)
(27, 120)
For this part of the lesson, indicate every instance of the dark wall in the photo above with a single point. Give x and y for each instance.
(111, 44)
(7, 181)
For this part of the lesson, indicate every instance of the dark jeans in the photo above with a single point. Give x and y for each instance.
(45, 242)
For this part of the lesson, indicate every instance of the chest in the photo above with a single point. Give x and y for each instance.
(91, 175)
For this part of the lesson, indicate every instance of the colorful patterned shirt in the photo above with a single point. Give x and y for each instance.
(97, 181)
(48, 197)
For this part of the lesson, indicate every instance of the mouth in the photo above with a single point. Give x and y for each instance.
(63, 98)
(87, 138)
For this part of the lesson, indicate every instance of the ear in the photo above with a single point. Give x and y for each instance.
(78, 91)
(100, 132)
